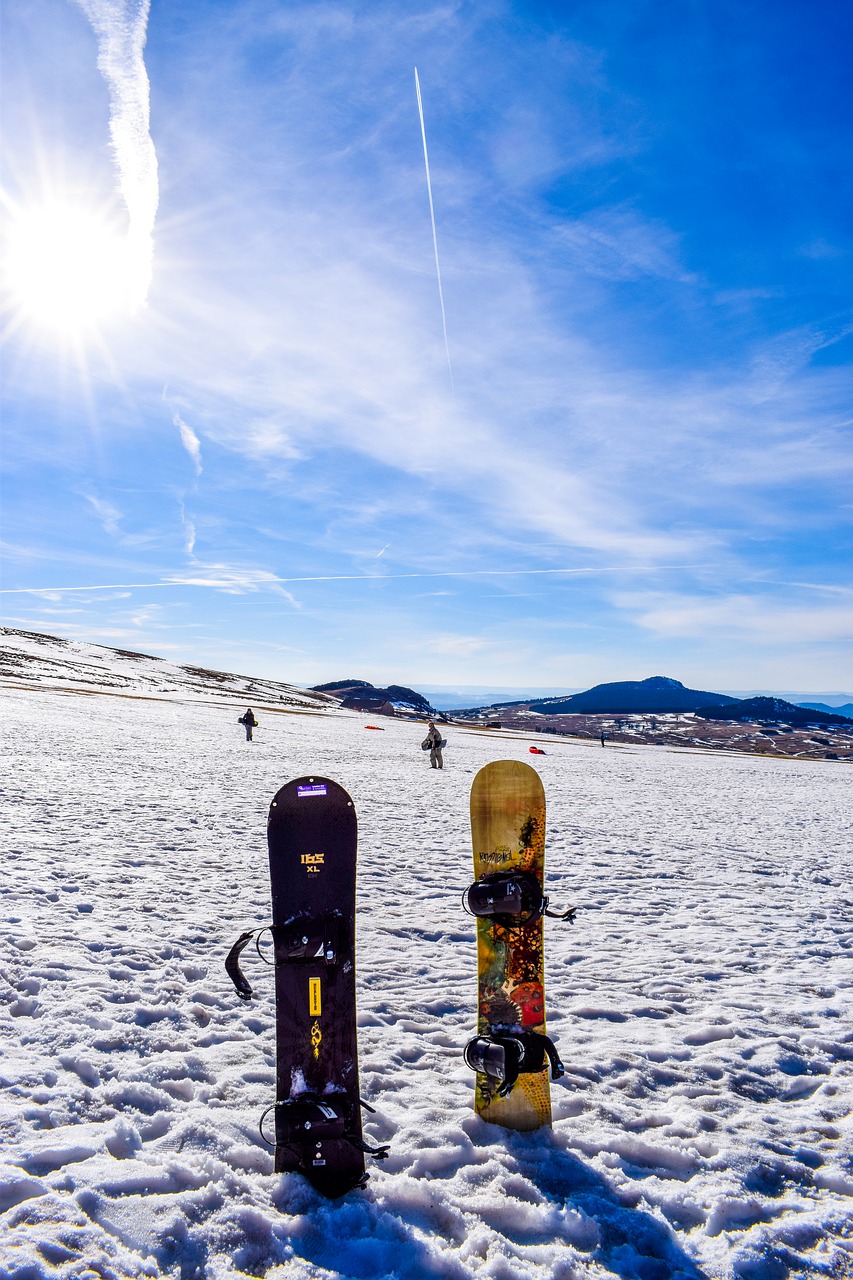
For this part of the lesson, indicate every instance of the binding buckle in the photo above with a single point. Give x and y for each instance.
(305, 939)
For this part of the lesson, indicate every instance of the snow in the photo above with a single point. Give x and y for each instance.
(31, 660)
(701, 1003)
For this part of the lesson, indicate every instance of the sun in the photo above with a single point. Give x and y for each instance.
(68, 268)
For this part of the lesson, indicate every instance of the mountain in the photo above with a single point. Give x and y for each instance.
(775, 709)
(844, 709)
(362, 695)
(342, 686)
(466, 696)
(28, 658)
(658, 694)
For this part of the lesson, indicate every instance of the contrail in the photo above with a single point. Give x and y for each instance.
(188, 581)
(432, 220)
(120, 26)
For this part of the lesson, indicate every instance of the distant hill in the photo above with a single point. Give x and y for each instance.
(342, 686)
(658, 694)
(774, 709)
(845, 709)
(362, 694)
(30, 659)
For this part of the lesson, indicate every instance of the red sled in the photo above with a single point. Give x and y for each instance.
(537, 751)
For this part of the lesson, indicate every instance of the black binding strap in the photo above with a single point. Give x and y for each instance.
(308, 1119)
(510, 897)
(379, 1153)
(300, 939)
(232, 965)
(504, 1057)
(557, 1068)
(568, 915)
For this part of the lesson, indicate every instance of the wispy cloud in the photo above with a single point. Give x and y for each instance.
(619, 244)
(121, 27)
(190, 441)
(769, 622)
(234, 581)
(189, 533)
(458, 646)
(108, 514)
(787, 353)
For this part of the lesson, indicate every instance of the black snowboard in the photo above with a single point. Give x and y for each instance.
(312, 846)
(312, 833)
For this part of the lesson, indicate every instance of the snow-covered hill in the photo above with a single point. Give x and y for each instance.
(29, 659)
(702, 1005)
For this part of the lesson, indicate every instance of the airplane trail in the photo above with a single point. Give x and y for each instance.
(432, 220)
(272, 579)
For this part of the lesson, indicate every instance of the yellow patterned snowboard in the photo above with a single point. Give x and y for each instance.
(508, 833)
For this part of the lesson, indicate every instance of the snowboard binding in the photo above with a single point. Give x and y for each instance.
(307, 1120)
(503, 1057)
(299, 939)
(511, 899)
(304, 939)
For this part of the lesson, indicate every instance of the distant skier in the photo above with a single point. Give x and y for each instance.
(249, 721)
(603, 737)
(434, 739)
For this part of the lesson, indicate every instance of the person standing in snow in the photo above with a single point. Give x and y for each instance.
(434, 739)
(603, 737)
(249, 721)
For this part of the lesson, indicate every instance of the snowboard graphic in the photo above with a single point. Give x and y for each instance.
(508, 835)
(312, 833)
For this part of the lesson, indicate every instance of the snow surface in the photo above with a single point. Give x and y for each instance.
(31, 660)
(701, 1003)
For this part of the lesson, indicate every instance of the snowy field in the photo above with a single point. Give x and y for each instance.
(702, 1005)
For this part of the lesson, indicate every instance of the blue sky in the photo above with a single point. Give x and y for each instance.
(643, 463)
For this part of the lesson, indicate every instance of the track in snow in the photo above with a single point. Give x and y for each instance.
(701, 1004)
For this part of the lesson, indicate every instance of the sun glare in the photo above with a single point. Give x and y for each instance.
(69, 268)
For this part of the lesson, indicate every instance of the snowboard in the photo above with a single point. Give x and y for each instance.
(508, 834)
(316, 1117)
(312, 834)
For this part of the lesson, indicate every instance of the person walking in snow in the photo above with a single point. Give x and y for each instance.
(249, 721)
(434, 739)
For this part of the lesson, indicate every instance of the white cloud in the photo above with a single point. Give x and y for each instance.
(618, 244)
(786, 354)
(145, 615)
(120, 26)
(231, 580)
(190, 441)
(189, 537)
(108, 514)
(739, 617)
(457, 646)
